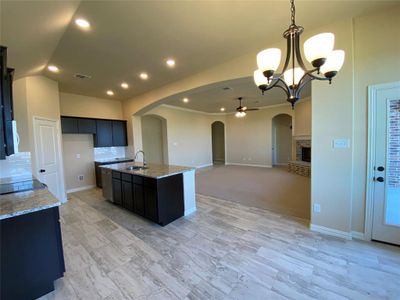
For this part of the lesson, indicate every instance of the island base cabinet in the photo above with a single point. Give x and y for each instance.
(31, 254)
(157, 199)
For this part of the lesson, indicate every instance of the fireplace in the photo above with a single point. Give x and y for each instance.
(306, 154)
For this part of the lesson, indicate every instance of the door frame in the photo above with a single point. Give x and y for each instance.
(60, 154)
(369, 195)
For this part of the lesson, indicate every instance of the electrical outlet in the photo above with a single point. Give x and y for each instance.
(317, 207)
(78, 155)
(80, 177)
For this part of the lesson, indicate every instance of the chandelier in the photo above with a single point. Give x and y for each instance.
(318, 51)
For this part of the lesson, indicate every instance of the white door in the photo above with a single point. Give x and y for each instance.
(48, 158)
(386, 168)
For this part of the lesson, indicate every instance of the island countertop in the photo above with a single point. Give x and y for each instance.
(20, 203)
(153, 170)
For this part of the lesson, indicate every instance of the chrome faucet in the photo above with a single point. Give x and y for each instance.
(144, 159)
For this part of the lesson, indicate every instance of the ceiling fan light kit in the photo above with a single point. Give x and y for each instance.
(318, 51)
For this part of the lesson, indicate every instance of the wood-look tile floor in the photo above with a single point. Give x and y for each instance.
(223, 251)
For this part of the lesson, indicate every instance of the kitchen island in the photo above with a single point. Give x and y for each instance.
(160, 193)
(30, 238)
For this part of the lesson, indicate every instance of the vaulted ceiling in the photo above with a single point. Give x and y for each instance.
(129, 37)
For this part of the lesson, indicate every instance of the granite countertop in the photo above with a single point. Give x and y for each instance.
(107, 160)
(152, 171)
(16, 204)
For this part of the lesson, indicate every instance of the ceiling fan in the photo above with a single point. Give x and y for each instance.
(241, 110)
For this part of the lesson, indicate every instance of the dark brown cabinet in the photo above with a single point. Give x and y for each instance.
(6, 105)
(106, 133)
(159, 200)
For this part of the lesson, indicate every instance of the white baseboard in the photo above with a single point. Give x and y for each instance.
(204, 166)
(189, 211)
(330, 231)
(358, 235)
(82, 188)
(249, 165)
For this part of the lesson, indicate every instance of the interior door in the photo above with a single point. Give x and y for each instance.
(48, 162)
(386, 180)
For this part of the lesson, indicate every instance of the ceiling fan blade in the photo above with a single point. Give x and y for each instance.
(252, 109)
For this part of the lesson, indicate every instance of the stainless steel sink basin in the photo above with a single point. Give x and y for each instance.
(135, 168)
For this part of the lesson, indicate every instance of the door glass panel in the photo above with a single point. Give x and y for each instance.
(392, 215)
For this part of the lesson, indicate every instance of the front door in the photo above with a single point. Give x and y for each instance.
(48, 162)
(386, 167)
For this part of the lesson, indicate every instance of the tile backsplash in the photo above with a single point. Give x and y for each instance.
(16, 166)
(109, 152)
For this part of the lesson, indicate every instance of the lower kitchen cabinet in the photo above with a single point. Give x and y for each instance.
(159, 200)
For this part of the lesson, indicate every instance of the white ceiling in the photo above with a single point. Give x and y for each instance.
(211, 98)
(128, 37)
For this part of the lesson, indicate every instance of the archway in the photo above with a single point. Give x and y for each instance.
(218, 142)
(281, 139)
(154, 139)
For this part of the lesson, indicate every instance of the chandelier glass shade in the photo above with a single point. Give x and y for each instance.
(319, 52)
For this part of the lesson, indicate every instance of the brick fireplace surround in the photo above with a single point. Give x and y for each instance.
(299, 166)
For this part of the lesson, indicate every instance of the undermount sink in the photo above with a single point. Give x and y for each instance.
(133, 168)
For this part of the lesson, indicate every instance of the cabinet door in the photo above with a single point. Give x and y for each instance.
(87, 126)
(117, 191)
(139, 199)
(69, 125)
(127, 195)
(119, 133)
(8, 112)
(150, 203)
(103, 133)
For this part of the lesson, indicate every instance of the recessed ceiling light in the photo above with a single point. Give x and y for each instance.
(186, 100)
(170, 63)
(124, 85)
(53, 68)
(110, 93)
(144, 75)
(222, 109)
(82, 23)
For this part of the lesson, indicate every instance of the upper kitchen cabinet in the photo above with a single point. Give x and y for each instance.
(69, 125)
(6, 104)
(87, 126)
(104, 134)
(119, 133)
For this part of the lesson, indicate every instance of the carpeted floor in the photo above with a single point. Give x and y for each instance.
(267, 188)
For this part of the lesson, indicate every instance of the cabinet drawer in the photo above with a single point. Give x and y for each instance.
(116, 174)
(150, 182)
(137, 179)
(126, 177)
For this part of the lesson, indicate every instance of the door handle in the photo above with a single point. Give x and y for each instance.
(42, 171)
(381, 169)
(380, 179)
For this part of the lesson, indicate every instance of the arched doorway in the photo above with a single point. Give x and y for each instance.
(281, 139)
(154, 139)
(218, 142)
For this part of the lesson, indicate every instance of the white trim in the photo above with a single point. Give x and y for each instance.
(190, 211)
(204, 166)
(82, 188)
(302, 137)
(248, 165)
(333, 232)
(358, 235)
(369, 190)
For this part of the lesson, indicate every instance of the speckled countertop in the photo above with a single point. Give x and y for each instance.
(152, 171)
(16, 204)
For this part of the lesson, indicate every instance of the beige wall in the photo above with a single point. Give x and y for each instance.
(153, 139)
(338, 110)
(91, 107)
(249, 139)
(302, 115)
(282, 138)
(81, 144)
(21, 113)
(218, 141)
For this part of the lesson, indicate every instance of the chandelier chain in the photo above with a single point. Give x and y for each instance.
(293, 11)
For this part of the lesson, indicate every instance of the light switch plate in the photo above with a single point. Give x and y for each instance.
(78, 155)
(317, 208)
(341, 143)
